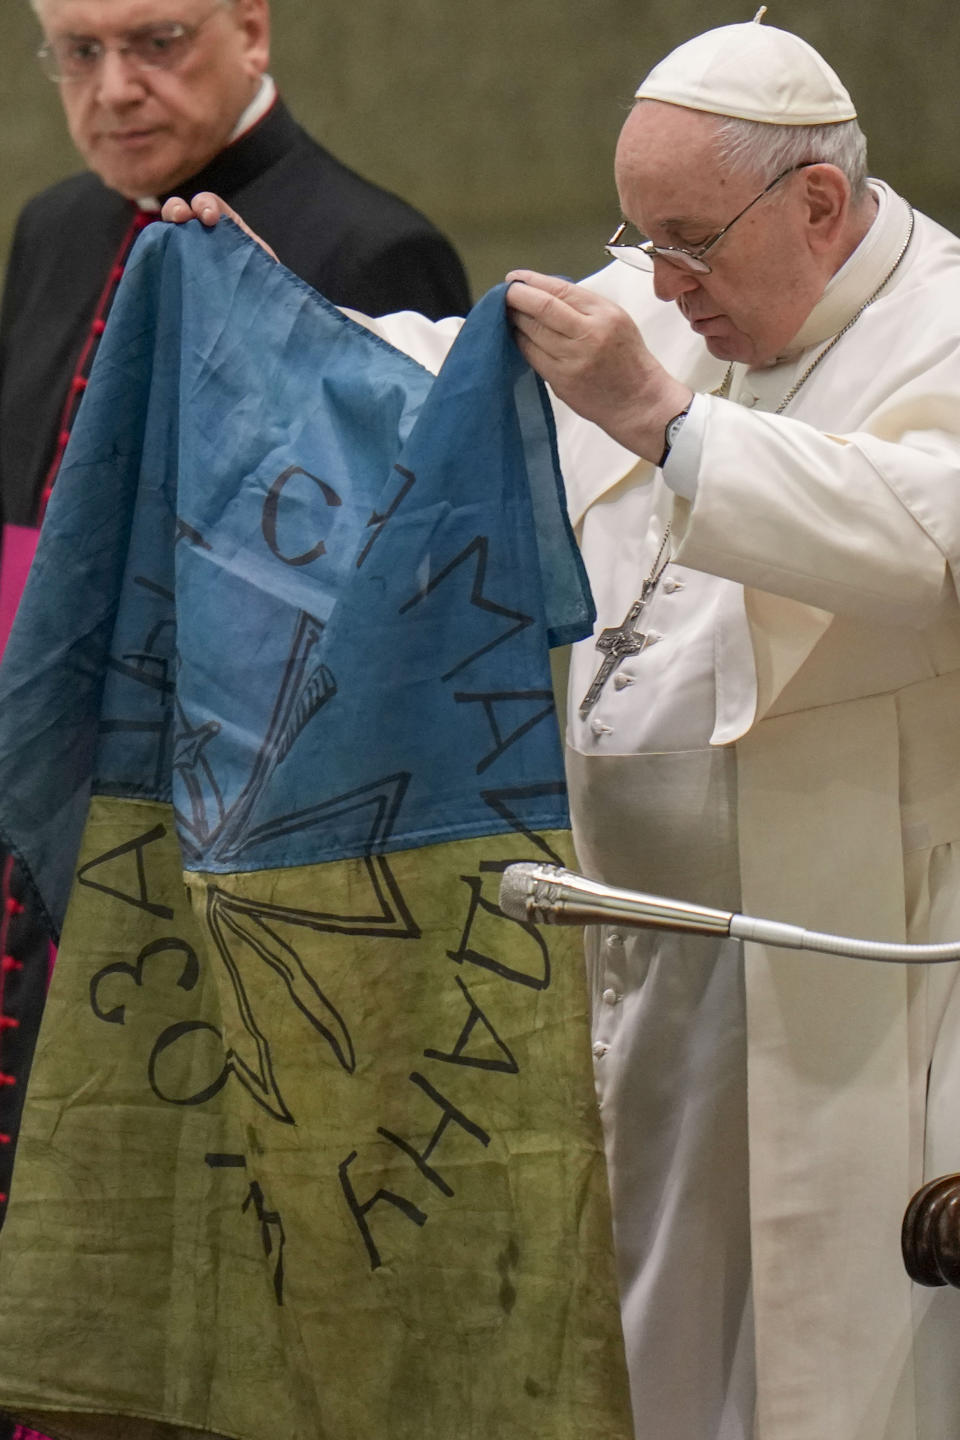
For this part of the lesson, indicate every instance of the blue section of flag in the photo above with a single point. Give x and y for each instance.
(290, 582)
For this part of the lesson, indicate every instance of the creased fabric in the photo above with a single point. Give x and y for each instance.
(311, 1147)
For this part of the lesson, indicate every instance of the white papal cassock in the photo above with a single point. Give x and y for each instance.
(788, 742)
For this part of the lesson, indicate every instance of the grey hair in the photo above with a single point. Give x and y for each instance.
(768, 149)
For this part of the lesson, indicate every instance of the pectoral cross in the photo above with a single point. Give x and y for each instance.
(617, 643)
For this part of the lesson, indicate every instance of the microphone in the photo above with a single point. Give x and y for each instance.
(550, 895)
(541, 894)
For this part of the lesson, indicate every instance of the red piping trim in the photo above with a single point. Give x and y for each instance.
(78, 381)
(8, 909)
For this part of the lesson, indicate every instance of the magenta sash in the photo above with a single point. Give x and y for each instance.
(19, 543)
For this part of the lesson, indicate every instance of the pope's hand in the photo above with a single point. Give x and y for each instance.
(207, 208)
(593, 357)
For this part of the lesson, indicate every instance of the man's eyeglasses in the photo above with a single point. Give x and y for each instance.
(642, 253)
(162, 46)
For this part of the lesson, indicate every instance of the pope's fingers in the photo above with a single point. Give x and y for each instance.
(555, 284)
(549, 342)
(536, 357)
(545, 308)
(575, 296)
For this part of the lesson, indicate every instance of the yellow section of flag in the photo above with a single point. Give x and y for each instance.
(310, 1153)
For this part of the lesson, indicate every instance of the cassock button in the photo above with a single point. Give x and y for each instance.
(621, 681)
(671, 586)
(98, 326)
(610, 997)
(598, 728)
(652, 637)
(79, 383)
(614, 939)
(600, 1049)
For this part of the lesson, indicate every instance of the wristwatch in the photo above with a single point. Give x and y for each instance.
(670, 435)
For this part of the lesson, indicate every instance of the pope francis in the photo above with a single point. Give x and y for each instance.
(759, 420)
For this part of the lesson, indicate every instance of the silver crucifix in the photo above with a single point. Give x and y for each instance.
(617, 643)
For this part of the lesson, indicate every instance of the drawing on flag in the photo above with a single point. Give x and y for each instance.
(311, 1146)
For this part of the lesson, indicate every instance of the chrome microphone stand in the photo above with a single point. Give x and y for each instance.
(542, 894)
(551, 895)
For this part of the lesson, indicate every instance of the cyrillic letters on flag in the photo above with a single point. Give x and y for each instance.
(311, 1149)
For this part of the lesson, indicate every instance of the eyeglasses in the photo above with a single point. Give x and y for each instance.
(642, 253)
(163, 46)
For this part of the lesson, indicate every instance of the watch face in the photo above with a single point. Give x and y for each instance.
(673, 427)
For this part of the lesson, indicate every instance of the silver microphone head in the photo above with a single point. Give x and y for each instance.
(538, 894)
(551, 895)
(520, 885)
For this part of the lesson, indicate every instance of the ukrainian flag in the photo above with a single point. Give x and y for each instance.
(311, 1149)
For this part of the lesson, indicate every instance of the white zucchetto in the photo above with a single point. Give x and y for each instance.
(753, 72)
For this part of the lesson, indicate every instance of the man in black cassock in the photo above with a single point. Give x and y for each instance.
(160, 96)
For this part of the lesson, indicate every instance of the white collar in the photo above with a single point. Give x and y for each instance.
(860, 275)
(257, 108)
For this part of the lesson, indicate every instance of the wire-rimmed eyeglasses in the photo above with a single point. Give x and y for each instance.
(162, 46)
(642, 253)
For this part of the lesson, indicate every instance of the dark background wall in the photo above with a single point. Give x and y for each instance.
(499, 119)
